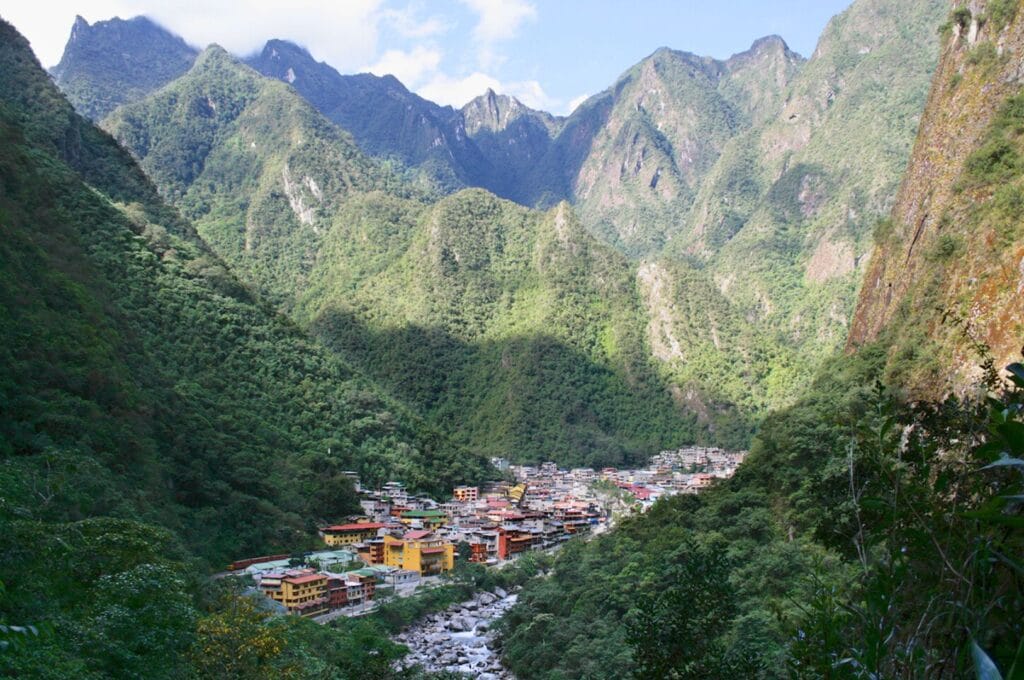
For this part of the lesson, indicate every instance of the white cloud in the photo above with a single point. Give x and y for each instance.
(499, 19)
(341, 33)
(575, 102)
(443, 89)
(456, 92)
(407, 23)
(412, 67)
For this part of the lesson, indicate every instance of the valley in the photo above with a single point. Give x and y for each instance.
(256, 306)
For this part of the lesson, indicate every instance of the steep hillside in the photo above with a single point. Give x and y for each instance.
(255, 167)
(383, 116)
(663, 125)
(823, 555)
(465, 308)
(781, 226)
(141, 380)
(513, 138)
(516, 330)
(947, 273)
(491, 142)
(117, 61)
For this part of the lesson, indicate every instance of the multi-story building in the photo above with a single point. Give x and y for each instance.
(466, 494)
(300, 592)
(420, 551)
(428, 519)
(337, 592)
(350, 534)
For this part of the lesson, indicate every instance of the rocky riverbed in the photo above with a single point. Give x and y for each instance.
(459, 639)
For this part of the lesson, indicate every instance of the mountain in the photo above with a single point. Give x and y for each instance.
(118, 61)
(663, 125)
(451, 305)
(491, 142)
(946, 277)
(766, 274)
(385, 119)
(822, 556)
(781, 225)
(141, 380)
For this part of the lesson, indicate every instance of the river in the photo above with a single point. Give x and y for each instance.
(460, 639)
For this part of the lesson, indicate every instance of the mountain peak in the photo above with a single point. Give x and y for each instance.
(111, 62)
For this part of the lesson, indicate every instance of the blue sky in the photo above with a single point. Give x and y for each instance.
(549, 53)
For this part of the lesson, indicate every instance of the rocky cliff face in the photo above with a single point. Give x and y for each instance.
(667, 121)
(947, 272)
(112, 62)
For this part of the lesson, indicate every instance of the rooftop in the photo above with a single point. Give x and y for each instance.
(355, 526)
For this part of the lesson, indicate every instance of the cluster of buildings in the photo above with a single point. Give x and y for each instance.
(685, 470)
(308, 592)
(492, 523)
(322, 582)
(402, 537)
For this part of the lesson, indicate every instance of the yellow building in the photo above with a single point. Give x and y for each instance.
(419, 551)
(302, 594)
(348, 534)
(517, 492)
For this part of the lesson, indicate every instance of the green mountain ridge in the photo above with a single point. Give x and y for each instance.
(772, 283)
(143, 381)
(510, 345)
(97, 78)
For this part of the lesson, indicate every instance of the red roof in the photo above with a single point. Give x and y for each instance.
(358, 526)
(299, 580)
(416, 535)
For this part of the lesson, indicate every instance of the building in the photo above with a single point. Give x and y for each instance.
(428, 519)
(300, 592)
(350, 534)
(419, 551)
(372, 551)
(466, 494)
(337, 592)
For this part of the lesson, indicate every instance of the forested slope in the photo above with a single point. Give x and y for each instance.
(514, 331)
(875, 529)
(141, 379)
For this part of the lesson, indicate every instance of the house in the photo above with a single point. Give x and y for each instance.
(372, 551)
(302, 592)
(337, 592)
(428, 519)
(420, 551)
(350, 534)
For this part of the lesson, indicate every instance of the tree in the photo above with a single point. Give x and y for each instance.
(678, 632)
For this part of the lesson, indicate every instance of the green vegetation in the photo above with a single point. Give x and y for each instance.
(513, 331)
(117, 61)
(140, 378)
(837, 550)
(1001, 13)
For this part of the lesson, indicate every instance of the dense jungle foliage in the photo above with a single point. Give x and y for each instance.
(864, 537)
(513, 331)
(141, 380)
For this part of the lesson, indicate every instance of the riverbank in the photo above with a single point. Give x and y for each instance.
(460, 638)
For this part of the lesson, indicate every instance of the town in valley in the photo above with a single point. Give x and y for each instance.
(403, 541)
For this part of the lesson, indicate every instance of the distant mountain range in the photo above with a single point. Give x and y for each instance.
(736, 198)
